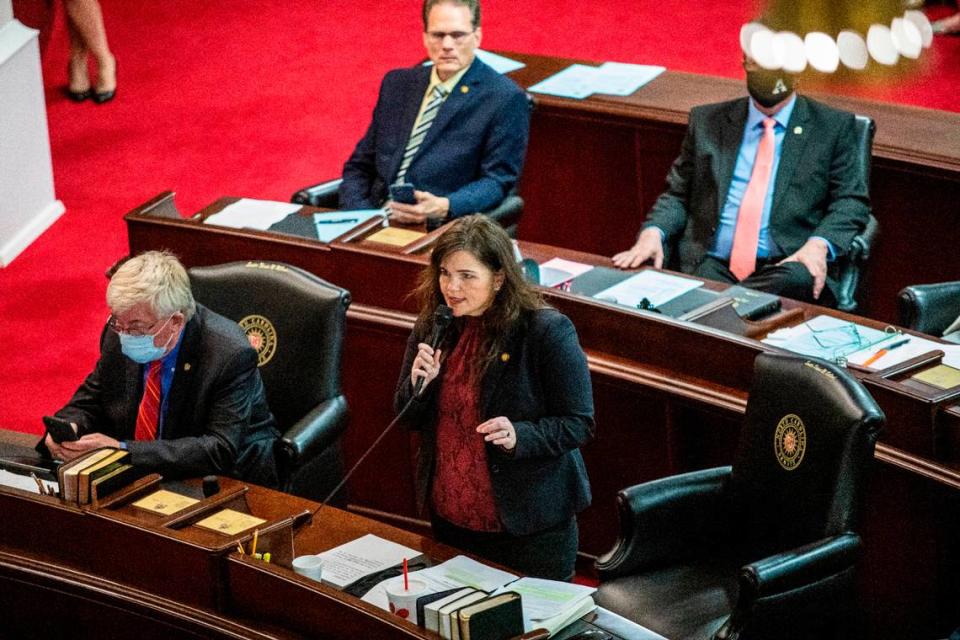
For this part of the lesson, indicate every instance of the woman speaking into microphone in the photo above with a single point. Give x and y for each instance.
(504, 407)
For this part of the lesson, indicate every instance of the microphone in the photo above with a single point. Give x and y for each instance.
(442, 318)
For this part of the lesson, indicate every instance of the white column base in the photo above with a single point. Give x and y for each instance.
(38, 223)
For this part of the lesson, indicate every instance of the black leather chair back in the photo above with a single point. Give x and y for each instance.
(851, 266)
(294, 319)
(805, 449)
(929, 308)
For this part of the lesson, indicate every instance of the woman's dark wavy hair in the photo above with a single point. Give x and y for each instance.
(485, 240)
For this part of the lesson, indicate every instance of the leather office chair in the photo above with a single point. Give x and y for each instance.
(296, 322)
(765, 548)
(326, 195)
(851, 266)
(931, 308)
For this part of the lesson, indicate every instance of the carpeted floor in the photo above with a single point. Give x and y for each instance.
(259, 98)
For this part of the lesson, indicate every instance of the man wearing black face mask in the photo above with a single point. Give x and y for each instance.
(765, 193)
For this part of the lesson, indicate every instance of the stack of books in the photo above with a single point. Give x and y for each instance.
(98, 472)
(471, 614)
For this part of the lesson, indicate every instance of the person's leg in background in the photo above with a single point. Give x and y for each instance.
(89, 36)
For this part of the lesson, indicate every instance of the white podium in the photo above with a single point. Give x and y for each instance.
(28, 205)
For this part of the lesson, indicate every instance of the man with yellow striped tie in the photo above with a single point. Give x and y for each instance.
(456, 130)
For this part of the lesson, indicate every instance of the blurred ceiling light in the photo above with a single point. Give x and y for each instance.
(822, 52)
(790, 47)
(920, 21)
(906, 37)
(853, 50)
(746, 33)
(880, 45)
(763, 50)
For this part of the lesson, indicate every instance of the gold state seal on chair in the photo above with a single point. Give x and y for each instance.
(790, 441)
(262, 337)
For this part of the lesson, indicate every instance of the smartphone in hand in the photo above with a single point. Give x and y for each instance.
(60, 430)
(403, 193)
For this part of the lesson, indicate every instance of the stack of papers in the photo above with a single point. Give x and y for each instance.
(657, 287)
(26, 483)
(832, 339)
(614, 78)
(549, 604)
(557, 271)
(460, 571)
(351, 561)
(252, 214)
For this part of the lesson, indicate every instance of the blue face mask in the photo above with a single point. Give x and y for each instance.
(141, 349)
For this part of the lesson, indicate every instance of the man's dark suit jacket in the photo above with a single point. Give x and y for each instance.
(819, 190)
(217, 419)
(473, 153)
(541, 383)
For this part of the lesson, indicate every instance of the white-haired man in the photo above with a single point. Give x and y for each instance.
(176, 384)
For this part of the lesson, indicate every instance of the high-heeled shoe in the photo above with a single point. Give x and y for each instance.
(78, 96)
(73, 94)
(106, 96)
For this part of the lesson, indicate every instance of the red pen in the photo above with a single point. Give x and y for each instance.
(406, 582)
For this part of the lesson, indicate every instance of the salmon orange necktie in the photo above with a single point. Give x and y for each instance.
(746, 235)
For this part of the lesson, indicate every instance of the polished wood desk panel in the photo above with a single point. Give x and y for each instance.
(113, 570)
(595, 166)
(669, 397)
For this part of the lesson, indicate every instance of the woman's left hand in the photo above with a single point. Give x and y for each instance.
(499, 431)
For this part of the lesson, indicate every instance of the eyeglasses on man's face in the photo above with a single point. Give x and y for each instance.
(458, 37)
(136, 328)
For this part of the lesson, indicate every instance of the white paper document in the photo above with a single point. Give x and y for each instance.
(459, 571)
(906, 347)
(613, 78)
(252, 214)
(27, 483)
(543, 599)
(333, 224)
(500, 64)
(351, 561)
(832, 339)
(656, 286)
(576, 81)
(558, 270)
(622, 79)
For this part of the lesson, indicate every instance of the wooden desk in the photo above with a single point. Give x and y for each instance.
(669, 397)
(115, 571)
(595, 167)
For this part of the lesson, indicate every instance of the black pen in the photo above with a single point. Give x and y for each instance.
(340, 221)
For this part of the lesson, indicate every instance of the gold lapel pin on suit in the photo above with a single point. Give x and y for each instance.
(186, 366)
(505, 357)
(797, 130)
(464, 89)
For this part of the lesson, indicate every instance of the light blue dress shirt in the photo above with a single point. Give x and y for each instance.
(746, 156)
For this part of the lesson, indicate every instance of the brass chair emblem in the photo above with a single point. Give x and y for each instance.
(262, 336)
(790, 441)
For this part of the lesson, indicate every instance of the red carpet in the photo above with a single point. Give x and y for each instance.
(259, 98)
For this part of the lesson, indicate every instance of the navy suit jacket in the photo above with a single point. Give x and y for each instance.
(217, 420)
(540, 381)
(473, 153)
(819, 189)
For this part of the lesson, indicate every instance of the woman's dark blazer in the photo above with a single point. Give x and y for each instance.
(539, 381)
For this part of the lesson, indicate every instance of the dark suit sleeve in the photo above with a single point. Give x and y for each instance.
(669, 212)
(504, 151)
(568, 397)
(86, 407)
(229, 415)
(848, 208)
(360, 170)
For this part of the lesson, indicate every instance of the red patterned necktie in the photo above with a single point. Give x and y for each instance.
(149, 415)
(746, 235)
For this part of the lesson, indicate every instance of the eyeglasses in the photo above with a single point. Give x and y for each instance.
(135, 330)
(843, 340)
(458, 37)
